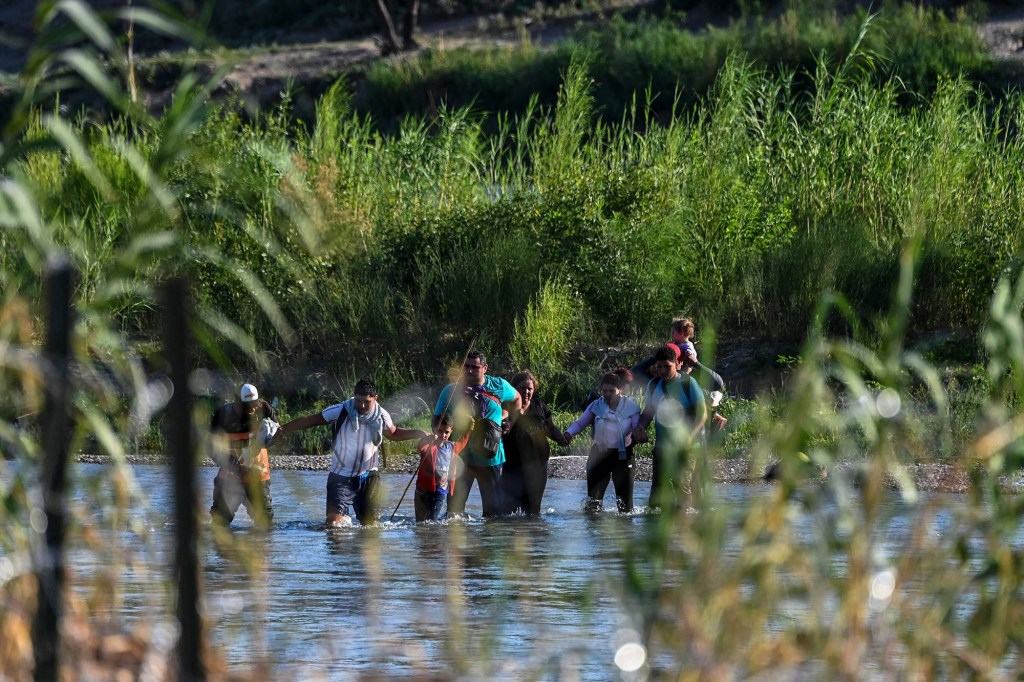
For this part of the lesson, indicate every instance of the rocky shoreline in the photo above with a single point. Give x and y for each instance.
(926, 477)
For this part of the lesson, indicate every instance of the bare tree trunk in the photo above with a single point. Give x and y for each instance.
(412, 16)
(390, 36)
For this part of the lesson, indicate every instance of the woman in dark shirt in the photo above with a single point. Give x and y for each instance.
(525, 474)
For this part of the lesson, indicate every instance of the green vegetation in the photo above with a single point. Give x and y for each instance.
(658, 51)
(836, 207)
(915, 45)
(732, 598)
(349, 249)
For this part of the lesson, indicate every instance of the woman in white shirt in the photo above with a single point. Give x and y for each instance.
(612, 418)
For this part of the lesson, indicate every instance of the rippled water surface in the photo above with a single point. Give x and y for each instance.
(506, 598)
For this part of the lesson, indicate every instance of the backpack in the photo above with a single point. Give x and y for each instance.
(485, 436)
(338, 423)
(237, 428)
(716, 422)
(685, 397)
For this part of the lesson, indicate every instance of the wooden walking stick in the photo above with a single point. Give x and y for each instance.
(451, 395)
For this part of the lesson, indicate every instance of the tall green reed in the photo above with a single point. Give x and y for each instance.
(911, 44)
(739, 211)
(111, 197)
(545, 335)
(349, 243)
(767, 597)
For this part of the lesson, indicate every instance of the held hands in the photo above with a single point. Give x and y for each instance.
(639, 435)
(267, 431)
(564, 440)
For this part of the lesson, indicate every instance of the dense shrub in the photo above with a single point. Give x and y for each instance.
(740, 214)
(673, 68)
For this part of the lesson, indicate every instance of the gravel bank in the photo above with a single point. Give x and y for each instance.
(934, 477)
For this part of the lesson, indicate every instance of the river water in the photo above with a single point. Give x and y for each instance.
(516, 598)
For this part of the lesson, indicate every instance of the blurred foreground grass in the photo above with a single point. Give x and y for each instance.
(754, 209)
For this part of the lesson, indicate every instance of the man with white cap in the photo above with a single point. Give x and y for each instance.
(241, 431)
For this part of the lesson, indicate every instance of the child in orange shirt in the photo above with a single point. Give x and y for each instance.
(436, 478)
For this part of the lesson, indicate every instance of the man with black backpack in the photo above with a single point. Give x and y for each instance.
(479, 402)
(360, 426)
(675, 403)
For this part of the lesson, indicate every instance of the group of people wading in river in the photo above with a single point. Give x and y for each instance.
(491, 432)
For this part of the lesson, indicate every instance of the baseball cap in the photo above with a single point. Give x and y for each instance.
(249, 393)
(675, 349)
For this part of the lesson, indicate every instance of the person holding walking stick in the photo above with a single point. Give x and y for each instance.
(437, 422)
(360, 426)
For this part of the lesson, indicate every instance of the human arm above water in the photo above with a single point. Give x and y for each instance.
(395, 433)
(643, 370)
(304, 422)
(461, 443)
(645, 417)
(547, 422)
(576, 428)
(554, 433)
(513, 407)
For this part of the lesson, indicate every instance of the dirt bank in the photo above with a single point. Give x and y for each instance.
(312, 60)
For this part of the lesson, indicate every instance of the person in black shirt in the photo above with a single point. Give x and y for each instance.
(527, 450)
(244, 476)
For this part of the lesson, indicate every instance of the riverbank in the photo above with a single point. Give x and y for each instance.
(926, 477)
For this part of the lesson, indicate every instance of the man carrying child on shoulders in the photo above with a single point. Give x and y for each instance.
(675, 403)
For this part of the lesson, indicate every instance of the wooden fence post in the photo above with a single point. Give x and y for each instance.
(56, 427)
(181, 448)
